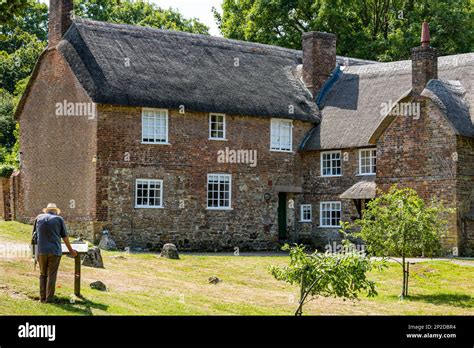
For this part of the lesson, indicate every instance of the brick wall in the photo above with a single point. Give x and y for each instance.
(183, 166)
(57, 150)
(420, 153)
(5, 202)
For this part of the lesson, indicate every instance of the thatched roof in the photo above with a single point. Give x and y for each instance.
(138, 66)
(449, 96)
(351, 110)
(169, 68)
(364, 189)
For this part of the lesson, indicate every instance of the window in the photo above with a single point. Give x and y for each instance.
(305, 213)
(154, 126)
(217, 126)
(330, 214)
(148, 193)
(331, 163)
(218, 191)
(367, 162)
(281, 135)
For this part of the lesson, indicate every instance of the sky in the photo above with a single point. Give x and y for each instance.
(200, 9)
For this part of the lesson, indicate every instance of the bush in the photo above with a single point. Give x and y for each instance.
(6, 170)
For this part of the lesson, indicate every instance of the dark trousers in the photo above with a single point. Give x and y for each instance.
(48, 265)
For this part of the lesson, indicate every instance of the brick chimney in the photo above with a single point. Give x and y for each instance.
(319, 59)
(424, 63)
(60, 13)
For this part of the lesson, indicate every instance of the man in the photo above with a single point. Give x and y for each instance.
(49, 228)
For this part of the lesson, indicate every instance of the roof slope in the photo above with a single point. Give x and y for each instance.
(352, 109)
(449, 96)
(138, 66)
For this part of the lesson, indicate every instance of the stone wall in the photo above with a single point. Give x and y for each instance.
(421, 154)
(183, 166)
(465, 193)
(58, 148)
(319, 189)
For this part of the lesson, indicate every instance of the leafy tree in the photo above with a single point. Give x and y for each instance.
(372, 29)
(7, 123)
(399, 223)
(326, 274)
(139, 12)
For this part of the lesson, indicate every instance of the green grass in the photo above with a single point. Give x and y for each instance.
(145, 284)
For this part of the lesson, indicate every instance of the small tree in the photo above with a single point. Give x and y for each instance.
(326, 274)
(399, 223)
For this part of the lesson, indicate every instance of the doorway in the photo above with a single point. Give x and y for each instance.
(282, 228)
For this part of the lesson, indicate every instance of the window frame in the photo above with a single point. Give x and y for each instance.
(230, 192)
(373, 161)
(302, 219)
(155, 142)
(148, 181)
(224, 128)
(339, 152)
(321, 213)
(281, 120)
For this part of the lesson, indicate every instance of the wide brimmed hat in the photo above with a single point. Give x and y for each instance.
(52, 206)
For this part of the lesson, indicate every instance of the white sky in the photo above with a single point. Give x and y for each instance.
(200, 9)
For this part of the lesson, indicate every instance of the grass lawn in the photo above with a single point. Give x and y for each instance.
(145, 284)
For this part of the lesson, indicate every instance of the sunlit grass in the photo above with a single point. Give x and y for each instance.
(145, 284)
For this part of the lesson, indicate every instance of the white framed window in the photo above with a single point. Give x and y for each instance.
(154, 126)
(281, 135)
(330, 214)
(367, 161)
(148, 193)
(306, 214)
(219, 191)
(331, 163)
(217, 126)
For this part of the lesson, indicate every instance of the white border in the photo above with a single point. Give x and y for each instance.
(230, 192)
(148, 206)
(321, 214)
(167, 128)
(321, 163)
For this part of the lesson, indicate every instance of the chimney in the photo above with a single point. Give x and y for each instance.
(424, 63)
(60, 14)
(319, 59)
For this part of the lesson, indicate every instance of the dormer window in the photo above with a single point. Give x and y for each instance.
(217, 127)
(154, 126)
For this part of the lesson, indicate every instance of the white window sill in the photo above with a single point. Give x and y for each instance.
(286, 151)
(148, 207)
(221, 209)
(149, 143)
(331, 176)
(221, 139)
(303, 221)
(329, 226)
(367, 174)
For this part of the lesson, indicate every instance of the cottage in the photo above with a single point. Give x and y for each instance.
(146, 156)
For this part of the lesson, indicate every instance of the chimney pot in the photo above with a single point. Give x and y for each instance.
(424, 63)
(425, 35)
(319, 59)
